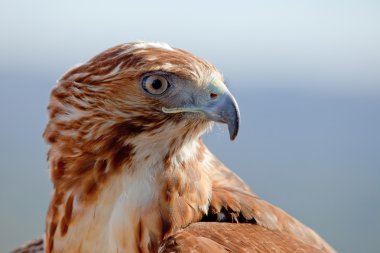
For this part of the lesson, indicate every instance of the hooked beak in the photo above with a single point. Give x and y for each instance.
(224, 109)
(220, 107)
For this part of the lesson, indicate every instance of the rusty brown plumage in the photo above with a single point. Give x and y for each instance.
(130, 177)
(230, 237)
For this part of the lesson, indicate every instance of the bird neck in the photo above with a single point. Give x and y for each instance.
(130, 199)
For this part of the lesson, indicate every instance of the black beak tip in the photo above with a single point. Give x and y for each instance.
(233, 126)
(233, 130)
(232, 137)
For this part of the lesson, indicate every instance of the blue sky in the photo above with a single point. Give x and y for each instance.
(335, 42)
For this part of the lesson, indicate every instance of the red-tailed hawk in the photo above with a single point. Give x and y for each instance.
(129, 169)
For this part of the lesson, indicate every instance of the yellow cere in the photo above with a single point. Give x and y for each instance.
(217, 86)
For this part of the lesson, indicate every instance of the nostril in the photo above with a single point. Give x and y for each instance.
(213, 95)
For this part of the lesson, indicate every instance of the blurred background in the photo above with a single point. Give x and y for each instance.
(306, 75)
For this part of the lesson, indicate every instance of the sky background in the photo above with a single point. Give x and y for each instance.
(306, 75)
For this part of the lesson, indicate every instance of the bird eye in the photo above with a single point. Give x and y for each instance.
(155, 84)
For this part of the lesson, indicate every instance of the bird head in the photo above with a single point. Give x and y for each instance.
(139, 89)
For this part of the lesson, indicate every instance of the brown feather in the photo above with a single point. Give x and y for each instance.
(35, 246)
(203, 237)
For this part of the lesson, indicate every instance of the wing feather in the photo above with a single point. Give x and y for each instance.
(233, 237)
(35, 246)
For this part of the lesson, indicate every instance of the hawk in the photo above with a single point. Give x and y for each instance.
(130, 171)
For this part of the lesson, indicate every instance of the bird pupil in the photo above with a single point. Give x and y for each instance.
(156, 84)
